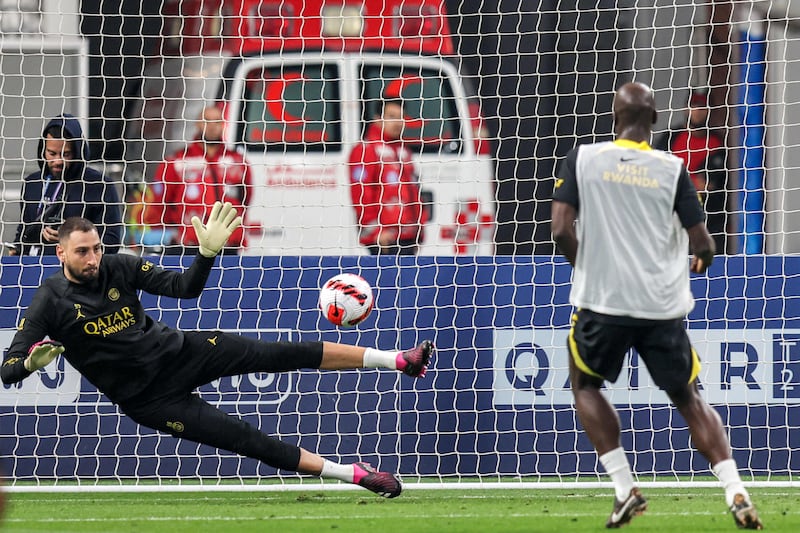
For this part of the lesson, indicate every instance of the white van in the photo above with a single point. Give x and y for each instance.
(296, 115)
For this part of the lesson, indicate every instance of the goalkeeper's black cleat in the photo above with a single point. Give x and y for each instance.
(381, 483)
(744, 513)
(624, 511)
(414, 362)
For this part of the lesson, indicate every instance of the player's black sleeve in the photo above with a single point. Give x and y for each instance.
(31, 330)
(188, 284)
(687, 202)
(13, 369)
(566, 188)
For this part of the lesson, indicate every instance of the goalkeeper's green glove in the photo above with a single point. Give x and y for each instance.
(42, 354)
(212, 236)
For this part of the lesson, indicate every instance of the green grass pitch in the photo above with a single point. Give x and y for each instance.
(417, 510)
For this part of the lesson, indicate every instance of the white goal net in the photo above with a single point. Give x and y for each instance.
(493, 97)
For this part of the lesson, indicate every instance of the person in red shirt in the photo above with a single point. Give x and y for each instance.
(703, 152)
(385, 187)
(189, 182)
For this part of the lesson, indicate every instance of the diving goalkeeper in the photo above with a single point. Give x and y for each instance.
(90, 311)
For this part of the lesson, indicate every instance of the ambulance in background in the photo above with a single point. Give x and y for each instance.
(300, 82)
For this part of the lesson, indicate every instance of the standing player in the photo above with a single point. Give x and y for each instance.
(634, 208)
(91, 312)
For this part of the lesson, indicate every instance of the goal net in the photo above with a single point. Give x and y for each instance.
(493, 97)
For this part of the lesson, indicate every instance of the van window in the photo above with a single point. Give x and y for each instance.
(292, 108)
(433, 124)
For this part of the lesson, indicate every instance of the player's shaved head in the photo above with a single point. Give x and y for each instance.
(634, 111)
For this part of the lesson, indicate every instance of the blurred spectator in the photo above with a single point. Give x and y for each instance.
(63, 187)
(189, 182)
(385, 187)
(704, 153)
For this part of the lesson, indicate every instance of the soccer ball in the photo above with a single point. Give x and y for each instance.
(346, 300)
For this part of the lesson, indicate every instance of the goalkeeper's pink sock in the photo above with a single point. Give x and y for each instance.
(400, 362)
(358, 473)
(374, 358)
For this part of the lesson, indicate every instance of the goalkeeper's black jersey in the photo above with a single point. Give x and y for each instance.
(106, 335)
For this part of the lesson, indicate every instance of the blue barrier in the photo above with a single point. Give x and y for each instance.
(455, 422)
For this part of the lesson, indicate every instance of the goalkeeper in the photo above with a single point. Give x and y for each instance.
(90, 311)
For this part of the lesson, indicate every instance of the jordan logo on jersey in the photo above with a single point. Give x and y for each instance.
(79, 312)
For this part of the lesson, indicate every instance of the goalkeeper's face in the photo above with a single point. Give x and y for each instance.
(80, 253)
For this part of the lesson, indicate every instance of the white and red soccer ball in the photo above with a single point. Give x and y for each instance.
(346, 300)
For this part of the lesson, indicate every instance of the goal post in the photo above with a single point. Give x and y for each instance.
(493, 99)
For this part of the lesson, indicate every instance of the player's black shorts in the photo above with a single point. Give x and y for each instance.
(210, 355)
(599, 343)
(169, 404)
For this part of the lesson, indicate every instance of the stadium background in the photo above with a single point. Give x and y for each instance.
(545, 73)
(543, 89)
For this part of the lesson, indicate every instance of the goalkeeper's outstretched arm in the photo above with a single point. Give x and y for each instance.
(212, 237)
(27, 351)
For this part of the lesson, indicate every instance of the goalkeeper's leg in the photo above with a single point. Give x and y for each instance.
(191, 418)
(412, 362)
(216, 354)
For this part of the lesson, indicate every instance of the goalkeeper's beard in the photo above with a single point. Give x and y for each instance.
(85, 275)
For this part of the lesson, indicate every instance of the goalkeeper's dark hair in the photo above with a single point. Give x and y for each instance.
(73, 224)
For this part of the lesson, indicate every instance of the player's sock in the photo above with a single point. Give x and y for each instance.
(358, 473)
(374, 358)
(331, 470)
(728, 474)
(616, 464)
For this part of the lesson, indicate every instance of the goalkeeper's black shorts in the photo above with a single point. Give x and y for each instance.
(599, 343)
(169, 404)
(209, 355)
